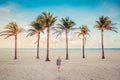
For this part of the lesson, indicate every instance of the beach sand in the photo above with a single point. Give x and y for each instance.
(27, 67)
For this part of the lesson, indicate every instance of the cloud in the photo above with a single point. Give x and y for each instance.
(8, 8)
(5, 11)
(81, 16)
(109, 9)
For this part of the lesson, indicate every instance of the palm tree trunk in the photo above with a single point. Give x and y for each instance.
(83, 46)
(47, 57)
(103, 57)
(15, 57)
(38, 46)
(67, 57)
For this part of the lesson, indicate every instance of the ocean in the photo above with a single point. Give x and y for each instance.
(59, 49)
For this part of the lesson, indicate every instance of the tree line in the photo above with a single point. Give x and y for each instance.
(45, 20)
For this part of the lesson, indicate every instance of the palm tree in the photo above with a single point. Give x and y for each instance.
(104, 23)
(37, 30)
(83, 30)
(66, 25)
(47, 20)
(12, 30)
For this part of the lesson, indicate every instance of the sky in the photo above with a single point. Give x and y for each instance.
(82, 12)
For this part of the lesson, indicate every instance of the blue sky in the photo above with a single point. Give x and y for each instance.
(83, 12)
(43, 3)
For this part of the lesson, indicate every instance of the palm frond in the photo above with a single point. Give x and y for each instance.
(21, 30)
(61, 28)
(105, 23)
(98, 23)
(114, 27)
(31, 32)
(42, 31)
(12, 29)
(53, 20)
(8, 36)
(46, 19)
(74, 28)
(67, 23)
(76, 32)
(55, 29)
(12, 26)
(88, 34)
(113, 23)
(114, 31)
(37, 25)
(58, 33)
(61, 25)
(3, 34)
(7, 31)
(84, 29)
(79, 34)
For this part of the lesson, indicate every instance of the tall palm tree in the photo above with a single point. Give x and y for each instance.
(47, 20)
(104, 23)
(12, 30)
(37, 30)
(66, 25)
(83, 30)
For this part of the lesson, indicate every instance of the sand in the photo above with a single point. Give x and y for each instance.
(27, 67)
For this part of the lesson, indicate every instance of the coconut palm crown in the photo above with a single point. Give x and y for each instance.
(66, 25)
(12, 29)
(37, 29)
(47, 20)
(104, 23)
(83, 31)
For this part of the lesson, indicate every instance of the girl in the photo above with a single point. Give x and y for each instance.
(58, 63)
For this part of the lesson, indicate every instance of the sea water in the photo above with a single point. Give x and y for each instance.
(59, 49)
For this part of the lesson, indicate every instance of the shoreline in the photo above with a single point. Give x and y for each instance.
(61, 48)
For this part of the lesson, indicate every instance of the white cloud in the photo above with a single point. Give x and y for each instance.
(12, 12)
(109, 10)
(5, 11)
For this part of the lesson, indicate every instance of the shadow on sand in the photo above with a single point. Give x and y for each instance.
(60, 77)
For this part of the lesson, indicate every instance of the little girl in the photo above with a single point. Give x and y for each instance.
(58, 63)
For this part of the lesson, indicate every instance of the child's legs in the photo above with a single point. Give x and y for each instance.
(58, 67)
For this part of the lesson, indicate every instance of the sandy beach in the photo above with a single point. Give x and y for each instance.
(27, 67)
